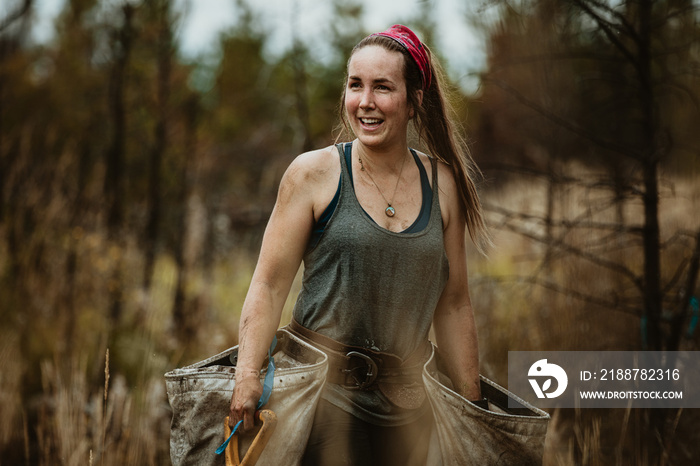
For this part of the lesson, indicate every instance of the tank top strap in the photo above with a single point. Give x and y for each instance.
(434, 167)
(345, 152)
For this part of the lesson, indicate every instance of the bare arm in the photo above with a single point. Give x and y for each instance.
(282, 249)
(453, 322)
(284, 242)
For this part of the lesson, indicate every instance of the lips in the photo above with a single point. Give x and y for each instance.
(371, 122)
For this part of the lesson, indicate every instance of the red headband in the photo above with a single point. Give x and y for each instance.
(410, 42)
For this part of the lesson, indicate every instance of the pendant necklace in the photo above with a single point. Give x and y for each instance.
(389, 211)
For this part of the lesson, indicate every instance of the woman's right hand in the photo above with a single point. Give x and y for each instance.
(244, 401)
(308, 185)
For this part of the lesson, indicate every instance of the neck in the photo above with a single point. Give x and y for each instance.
(390, 159)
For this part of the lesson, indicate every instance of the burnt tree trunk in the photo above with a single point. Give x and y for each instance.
(185, 327)
(156, 156)
(650, 161)
(114, 175)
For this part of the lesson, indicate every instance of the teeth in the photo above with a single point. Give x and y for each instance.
(370, 121)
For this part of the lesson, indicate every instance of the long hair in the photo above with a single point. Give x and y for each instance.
(434, 123)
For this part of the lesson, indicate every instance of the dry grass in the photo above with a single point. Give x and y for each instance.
(63, 403)
(514, 315)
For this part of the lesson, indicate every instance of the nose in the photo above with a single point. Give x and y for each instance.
(367, 99)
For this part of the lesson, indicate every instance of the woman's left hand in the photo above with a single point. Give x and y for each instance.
(453, 321)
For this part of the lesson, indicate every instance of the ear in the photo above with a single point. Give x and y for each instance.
(419, 97)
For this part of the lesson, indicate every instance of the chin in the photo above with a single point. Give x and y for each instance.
(370, 137)
(371, 142)
(376, 141)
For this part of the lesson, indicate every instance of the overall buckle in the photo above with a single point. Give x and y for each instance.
(366, 365)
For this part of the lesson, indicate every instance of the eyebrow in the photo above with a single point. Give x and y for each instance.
(375, 81)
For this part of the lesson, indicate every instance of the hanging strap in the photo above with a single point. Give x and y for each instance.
(267, 391)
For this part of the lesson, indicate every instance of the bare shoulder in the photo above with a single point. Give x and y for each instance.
(447, 187)
(446, 178)
(316, 163)
(445, 175)
(449, 196)
(312, 167)
(313, 175)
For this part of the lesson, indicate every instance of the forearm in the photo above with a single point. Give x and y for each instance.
(259, 321)
(286, 236)
(260, 318)
(455, 332)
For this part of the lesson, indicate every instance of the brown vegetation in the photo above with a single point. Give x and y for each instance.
(134, 187)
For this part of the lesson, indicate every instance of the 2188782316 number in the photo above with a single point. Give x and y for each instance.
(640, 374)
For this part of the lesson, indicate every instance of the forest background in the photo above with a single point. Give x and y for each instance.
(135, 184)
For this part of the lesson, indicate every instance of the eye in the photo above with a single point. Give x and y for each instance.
(353, 85)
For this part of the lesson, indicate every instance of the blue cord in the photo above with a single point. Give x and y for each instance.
(264, 398)
(223, 446)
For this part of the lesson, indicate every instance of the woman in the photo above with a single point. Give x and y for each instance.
(383, 246)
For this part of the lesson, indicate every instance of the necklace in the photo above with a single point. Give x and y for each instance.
(390, 211)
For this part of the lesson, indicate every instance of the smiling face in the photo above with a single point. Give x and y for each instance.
(376, 102)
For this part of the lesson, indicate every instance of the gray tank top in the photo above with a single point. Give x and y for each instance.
(367, 286)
